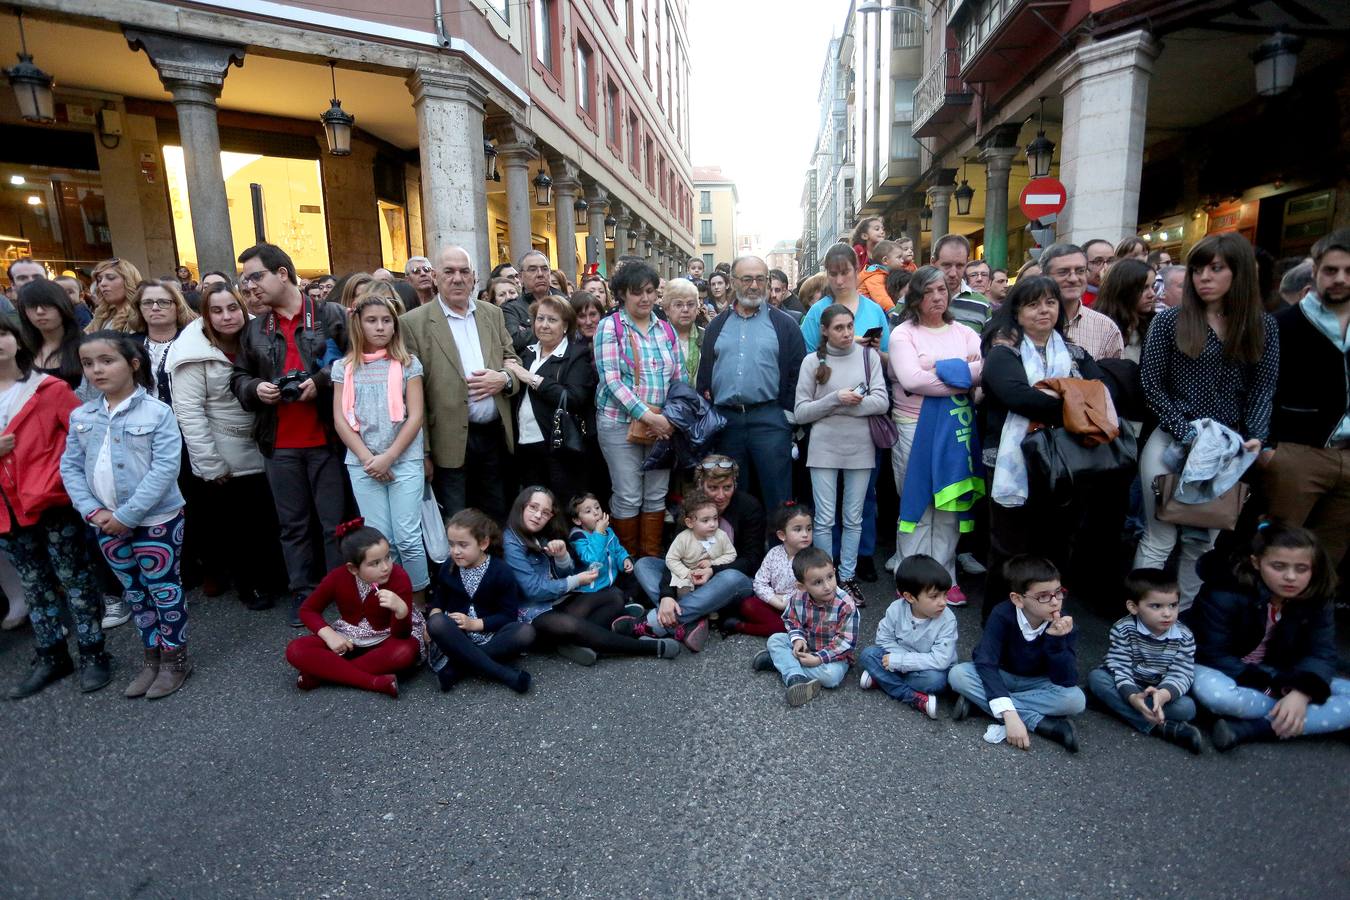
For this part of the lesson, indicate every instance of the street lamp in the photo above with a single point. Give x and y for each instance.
(611, 226)
(489, 159)
(32, 86)
(580, 206)
(926, 218)
(647, 245)
(1041, 151)
(337, 125)
(1276, 58)
(964, 193)
(543, 189)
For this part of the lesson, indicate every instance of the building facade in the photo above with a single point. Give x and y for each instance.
(187, 132)
(715, 219)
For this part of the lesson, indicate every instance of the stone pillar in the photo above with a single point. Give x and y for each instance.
(515, 151)
(940, 197)
(193, 71)
(595, 218)
(449, 108)
(622, 218)
(997, 164)
(1105, 85)
(566, 187)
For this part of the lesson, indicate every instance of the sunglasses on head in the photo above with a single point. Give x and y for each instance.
(716, 464)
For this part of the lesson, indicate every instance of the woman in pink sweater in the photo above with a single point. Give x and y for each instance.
(927, 334)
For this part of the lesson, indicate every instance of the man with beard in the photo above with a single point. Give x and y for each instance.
(1307, 474)
(752, 354)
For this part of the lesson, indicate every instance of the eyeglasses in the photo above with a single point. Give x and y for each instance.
(254, 277)
(156, 303)
(421, 270)
(1065, 273)
(1047, 598)
(753, 279)
(716, 464)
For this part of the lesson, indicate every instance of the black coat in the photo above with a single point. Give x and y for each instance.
(1310, 396)
(572, 375)
(1006, 390)
(497, 600)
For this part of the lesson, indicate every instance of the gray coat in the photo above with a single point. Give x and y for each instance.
(840, 435)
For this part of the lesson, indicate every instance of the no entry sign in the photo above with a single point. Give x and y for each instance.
(1042, 197)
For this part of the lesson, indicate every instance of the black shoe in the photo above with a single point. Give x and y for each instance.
(961, 709)
(728, 626)
(866, 570)
(49, 667)
(297, 600)
(1060, 731)
(801, 689)
(1183, 734)
(254, 601)
(446, 678)
(762, 662)
(95, 671)
(1228, 733)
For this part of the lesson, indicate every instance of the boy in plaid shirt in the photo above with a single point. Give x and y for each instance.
(822, 629)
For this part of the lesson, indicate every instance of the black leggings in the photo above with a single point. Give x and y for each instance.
(584, 619)
(466, 657)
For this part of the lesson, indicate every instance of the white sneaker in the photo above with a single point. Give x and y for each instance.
(115, 612)
(17, 615)
(865, 680)
(930, 708)
(970, 565)
(894, 562)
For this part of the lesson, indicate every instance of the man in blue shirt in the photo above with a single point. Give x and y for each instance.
(751, 356)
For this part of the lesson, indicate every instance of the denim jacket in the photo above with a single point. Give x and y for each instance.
(538, 574)
(146, 453)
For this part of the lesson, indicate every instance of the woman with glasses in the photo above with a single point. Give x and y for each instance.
(115, 282)
(159, 315)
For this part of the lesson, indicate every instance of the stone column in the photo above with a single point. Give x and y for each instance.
(193, 71)
(595, 217)
(940, 197)
(622, 217)
(997, 164)
(1105, 85)
(566, 187)
(515, 152)
(449, 107)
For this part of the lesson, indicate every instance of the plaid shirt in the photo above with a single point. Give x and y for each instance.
(662, 364)
(1095, 333)
(830, 631)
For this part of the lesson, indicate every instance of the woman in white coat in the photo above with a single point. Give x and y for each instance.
(218, 433)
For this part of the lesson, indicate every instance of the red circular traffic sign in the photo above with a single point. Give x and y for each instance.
(1042, 197)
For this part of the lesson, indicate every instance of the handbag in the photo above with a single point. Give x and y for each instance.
(883, 430)
(1222, 512)
(569, 432)
(434, 536)
(1062, 467)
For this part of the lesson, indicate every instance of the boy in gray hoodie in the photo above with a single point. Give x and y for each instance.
(916, 640)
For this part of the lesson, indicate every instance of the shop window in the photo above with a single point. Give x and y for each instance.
(393, 218)
(290, 200)
(55, 216)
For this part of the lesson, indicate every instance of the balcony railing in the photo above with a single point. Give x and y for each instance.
(940, 94)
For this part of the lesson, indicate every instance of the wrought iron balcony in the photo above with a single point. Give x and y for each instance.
(941, 97)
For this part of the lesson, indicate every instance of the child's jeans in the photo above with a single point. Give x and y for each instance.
(1223, 696)
(395, 509)
(145, 560)
(1034, 697)
(903, 686)
(830, 674)
(1103, 687)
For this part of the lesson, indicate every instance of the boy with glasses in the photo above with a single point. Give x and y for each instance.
(1024, 671)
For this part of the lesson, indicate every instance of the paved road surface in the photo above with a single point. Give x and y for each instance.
(636, 778)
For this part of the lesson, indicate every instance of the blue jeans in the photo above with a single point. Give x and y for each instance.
(825, 493)
(395, 508)
(830, 674)
(901, 685)
(1103, 687)
(1223, 696)
(760, 436)
(1034, 697)
(867, 542)
(727, 586)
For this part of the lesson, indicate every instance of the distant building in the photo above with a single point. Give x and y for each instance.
(715, 200)
(783, 255)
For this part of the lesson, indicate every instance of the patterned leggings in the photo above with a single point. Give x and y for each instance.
(52, 559)
(146, 560)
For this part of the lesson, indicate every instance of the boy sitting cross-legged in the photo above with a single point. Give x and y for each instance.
(916, 640)
(1025, 667)
(1150, 662)
(822, 629)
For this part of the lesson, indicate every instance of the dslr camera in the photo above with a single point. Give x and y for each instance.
(289, 385)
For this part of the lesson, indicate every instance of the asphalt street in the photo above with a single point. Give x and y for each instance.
(634, 778)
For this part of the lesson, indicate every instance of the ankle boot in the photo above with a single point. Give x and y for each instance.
(95, 669)
(1183, 734)
(49, 666)
(626, 530)
(174, 669)
(650, 527)
(146, 677)
(1228, 733)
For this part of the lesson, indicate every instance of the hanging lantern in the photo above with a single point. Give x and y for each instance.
(337, 124)
(543, 189)
(489, 160)
(32, 86)
(1276, 59)
(964, 193)
(647, 245)
(580, 206)
(926, 218)
(1041, 151)
(611, 226)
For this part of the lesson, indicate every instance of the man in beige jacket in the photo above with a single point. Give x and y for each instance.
(463, 346)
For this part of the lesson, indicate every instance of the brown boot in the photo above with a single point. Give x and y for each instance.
(651, 527)
(174, 668)
(627, 532)
(141, 683)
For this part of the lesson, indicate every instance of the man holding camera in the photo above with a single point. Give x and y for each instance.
(282, 375)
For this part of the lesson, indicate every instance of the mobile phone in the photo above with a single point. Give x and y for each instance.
(861, 388)
(873, 334)
(595, 567)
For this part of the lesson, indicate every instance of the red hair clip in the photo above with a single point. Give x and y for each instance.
(347, 528)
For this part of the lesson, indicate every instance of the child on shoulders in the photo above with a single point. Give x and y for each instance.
(1150, 662)
(822, 630)
(916, 640)
(1025, 668)
(762, 614)
(699, 547)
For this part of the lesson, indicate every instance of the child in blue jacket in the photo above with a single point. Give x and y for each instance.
(598, 548)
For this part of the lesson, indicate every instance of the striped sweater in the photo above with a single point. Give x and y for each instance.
(1136, 659)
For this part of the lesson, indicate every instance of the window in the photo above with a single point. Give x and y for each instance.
(546, 35)
(903, 144)
(588, 74)
(651, 163)
(613, 117)
(502, 8)
(705, 233)
(634, 143)
(708, 263)
(705, 202)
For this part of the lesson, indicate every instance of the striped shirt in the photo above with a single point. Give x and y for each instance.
(972, 309)
(660, 362)
(830, 632)
(1137, 659)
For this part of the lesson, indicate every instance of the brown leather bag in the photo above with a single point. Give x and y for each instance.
(1222, 512)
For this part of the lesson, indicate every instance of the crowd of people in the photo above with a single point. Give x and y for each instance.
(449, 470)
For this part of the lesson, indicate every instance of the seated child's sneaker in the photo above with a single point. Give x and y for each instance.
(633, 609)
(926, 704)
(630, 626)
(693, 636)
(1059, 730)
(1183, 734)
(865, 680)
(762, 662)
(961, 709)
(956, 596)
(801, 690)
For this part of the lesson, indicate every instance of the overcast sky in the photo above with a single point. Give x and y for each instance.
(756, 74)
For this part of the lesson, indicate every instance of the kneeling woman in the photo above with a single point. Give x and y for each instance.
(577, 624)
(376, 633)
